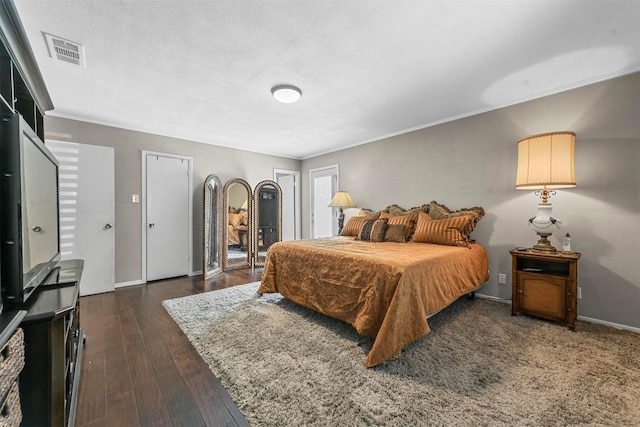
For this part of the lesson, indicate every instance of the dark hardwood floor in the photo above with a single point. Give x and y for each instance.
(140, 370)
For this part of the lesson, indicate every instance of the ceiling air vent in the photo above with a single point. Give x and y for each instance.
(65, 50)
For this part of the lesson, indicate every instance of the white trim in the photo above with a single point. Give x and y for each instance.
(610, 324)
(131, 283)
(498, 106)
(298, 201)
(151, 131)
(139, 128)
(583, 318)
(143, 201)
(483, 296)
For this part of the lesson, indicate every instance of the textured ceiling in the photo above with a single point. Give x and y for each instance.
(203, 70)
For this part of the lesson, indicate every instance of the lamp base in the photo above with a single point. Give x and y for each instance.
(544, 245)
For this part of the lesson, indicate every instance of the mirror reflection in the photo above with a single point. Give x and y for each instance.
(268, 217)
(212, 264)
(238, 214)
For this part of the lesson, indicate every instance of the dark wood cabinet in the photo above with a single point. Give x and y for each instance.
(53, 350)
(545, 285)
(267, 236)
(268, 217)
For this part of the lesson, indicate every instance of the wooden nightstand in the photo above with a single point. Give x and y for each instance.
(545, 285)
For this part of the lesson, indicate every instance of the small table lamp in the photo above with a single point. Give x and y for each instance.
(342, 199)
(546, 163)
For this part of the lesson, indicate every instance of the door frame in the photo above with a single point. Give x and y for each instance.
(336, 167)
(143, 201)
(297, 206)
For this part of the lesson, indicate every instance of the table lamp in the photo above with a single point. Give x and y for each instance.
(341, 200)
(545, 163)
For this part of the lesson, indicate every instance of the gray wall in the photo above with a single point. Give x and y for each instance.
(472, 162)
(207, 159)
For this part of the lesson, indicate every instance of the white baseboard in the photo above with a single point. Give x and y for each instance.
(613, 325)
(583, 318)
(140, 282)
(506, 301)
(131, 283)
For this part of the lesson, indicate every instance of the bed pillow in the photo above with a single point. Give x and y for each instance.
(395, 210)
(396, 233)
(438, 211)
(353, 226)
(367, 212)
(452, 231)
(408, 220)
(372, 230)
(235, 219)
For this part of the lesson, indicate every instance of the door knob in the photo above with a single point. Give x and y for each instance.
(151, 225)
(37, 229)
(108, 226)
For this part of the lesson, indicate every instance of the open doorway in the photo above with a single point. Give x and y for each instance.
(289, 181)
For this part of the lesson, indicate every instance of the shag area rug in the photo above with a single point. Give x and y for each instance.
(285, 365)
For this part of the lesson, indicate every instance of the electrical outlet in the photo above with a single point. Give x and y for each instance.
(502, 279)
(579, 292)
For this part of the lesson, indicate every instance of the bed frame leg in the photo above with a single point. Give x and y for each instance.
(471, 295)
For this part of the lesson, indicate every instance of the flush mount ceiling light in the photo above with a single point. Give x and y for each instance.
(287, 94)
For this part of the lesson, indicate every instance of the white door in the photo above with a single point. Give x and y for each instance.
(289, 224)
(324, 183)
(168, 213)
(87, 211)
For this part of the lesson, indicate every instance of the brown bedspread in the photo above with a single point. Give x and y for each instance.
(384, 290)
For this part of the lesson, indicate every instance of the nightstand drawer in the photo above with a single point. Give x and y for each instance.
(542, 296)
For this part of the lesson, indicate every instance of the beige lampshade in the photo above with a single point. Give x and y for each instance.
(342, 199)
(546, 161)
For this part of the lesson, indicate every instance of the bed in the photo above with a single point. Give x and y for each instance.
(236, 229)
(385, 289)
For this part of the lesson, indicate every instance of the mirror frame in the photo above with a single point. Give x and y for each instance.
(208, 200)
(225, 245)
(256, 210)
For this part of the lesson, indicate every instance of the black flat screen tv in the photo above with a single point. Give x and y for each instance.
(29, 215)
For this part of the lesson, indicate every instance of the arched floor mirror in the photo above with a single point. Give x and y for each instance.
(212, 225)
(238, 214)
(267, 229)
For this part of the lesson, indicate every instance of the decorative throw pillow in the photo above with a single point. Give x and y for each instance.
(366, 212)
(452, 231)
(422, 208)
(235, 219)
(353, 226)
(408, 220)
(438, 211)
(372, 231)
(396, 233)
(395, 210)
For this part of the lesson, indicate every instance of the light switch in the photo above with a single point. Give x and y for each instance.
(135, 198)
